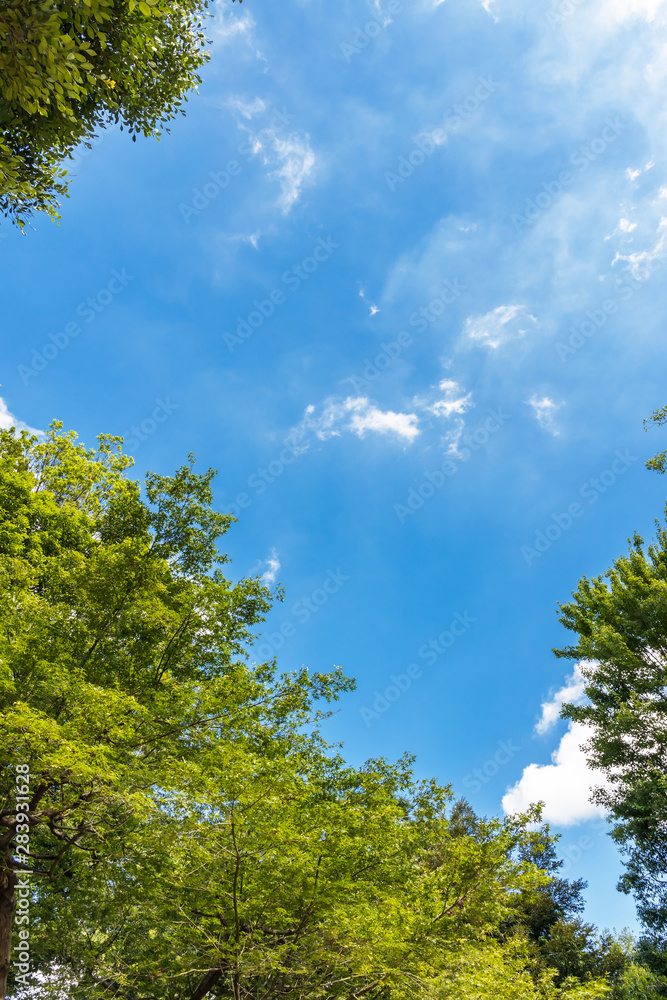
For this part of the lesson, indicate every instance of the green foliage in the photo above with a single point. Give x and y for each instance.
(191, 833)
(659, 462)
(577, 951)
(639, 983)
(536, 913)
(119, 642)
(621, 623)
(69, 68)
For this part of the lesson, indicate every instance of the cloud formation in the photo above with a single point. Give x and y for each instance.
(8, 420)
(272, 568)
(297, 161)
(544, 410)
(498, 326)
(454, 401)
(357, 415)
(573, 691)
(565, 786)
(228, 24)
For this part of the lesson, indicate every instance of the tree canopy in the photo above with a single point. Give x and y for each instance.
(620, 620)
(187, 831)
(69, 68)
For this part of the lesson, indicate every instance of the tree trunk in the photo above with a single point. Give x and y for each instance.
(8, 881)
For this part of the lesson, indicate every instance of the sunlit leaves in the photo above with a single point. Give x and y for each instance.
(69, 68)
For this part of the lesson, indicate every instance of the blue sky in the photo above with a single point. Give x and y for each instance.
(399, 276)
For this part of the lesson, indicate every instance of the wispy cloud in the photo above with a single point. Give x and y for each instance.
(248, 109)
(544, 411)
(297, 161)
(272, 564)
(454, 401)
(373, 308)
(498, 326)
(637, 261)
(356, 415)
(229, 23)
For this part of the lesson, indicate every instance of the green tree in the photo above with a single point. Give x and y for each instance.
(659, 462)
(620, 620)
(559, 899)
(189, 831)
(576, 950)
(69, 68)
(621, 623)
(639, 983)
(119, 640)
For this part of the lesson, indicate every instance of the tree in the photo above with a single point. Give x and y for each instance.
(576, 950)
(622, 641)
(559, 899)
(119, 639)
(69, 68)
(659, 462)
(620, 620)
(189, 831)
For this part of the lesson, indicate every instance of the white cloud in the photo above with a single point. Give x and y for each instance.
(289, 157)
(573, 691)
(626, 226)
(246, 108)
(370, 418)
(565, 786)
(8, 420)
(632, 175)
(373, 308)
(498, 326)
(298, 160)
(226, 26)
(632, 10)
(544, 410)
(637, 262)
(454, 401)
(453, 438)
(272, 567)
(356, 415)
